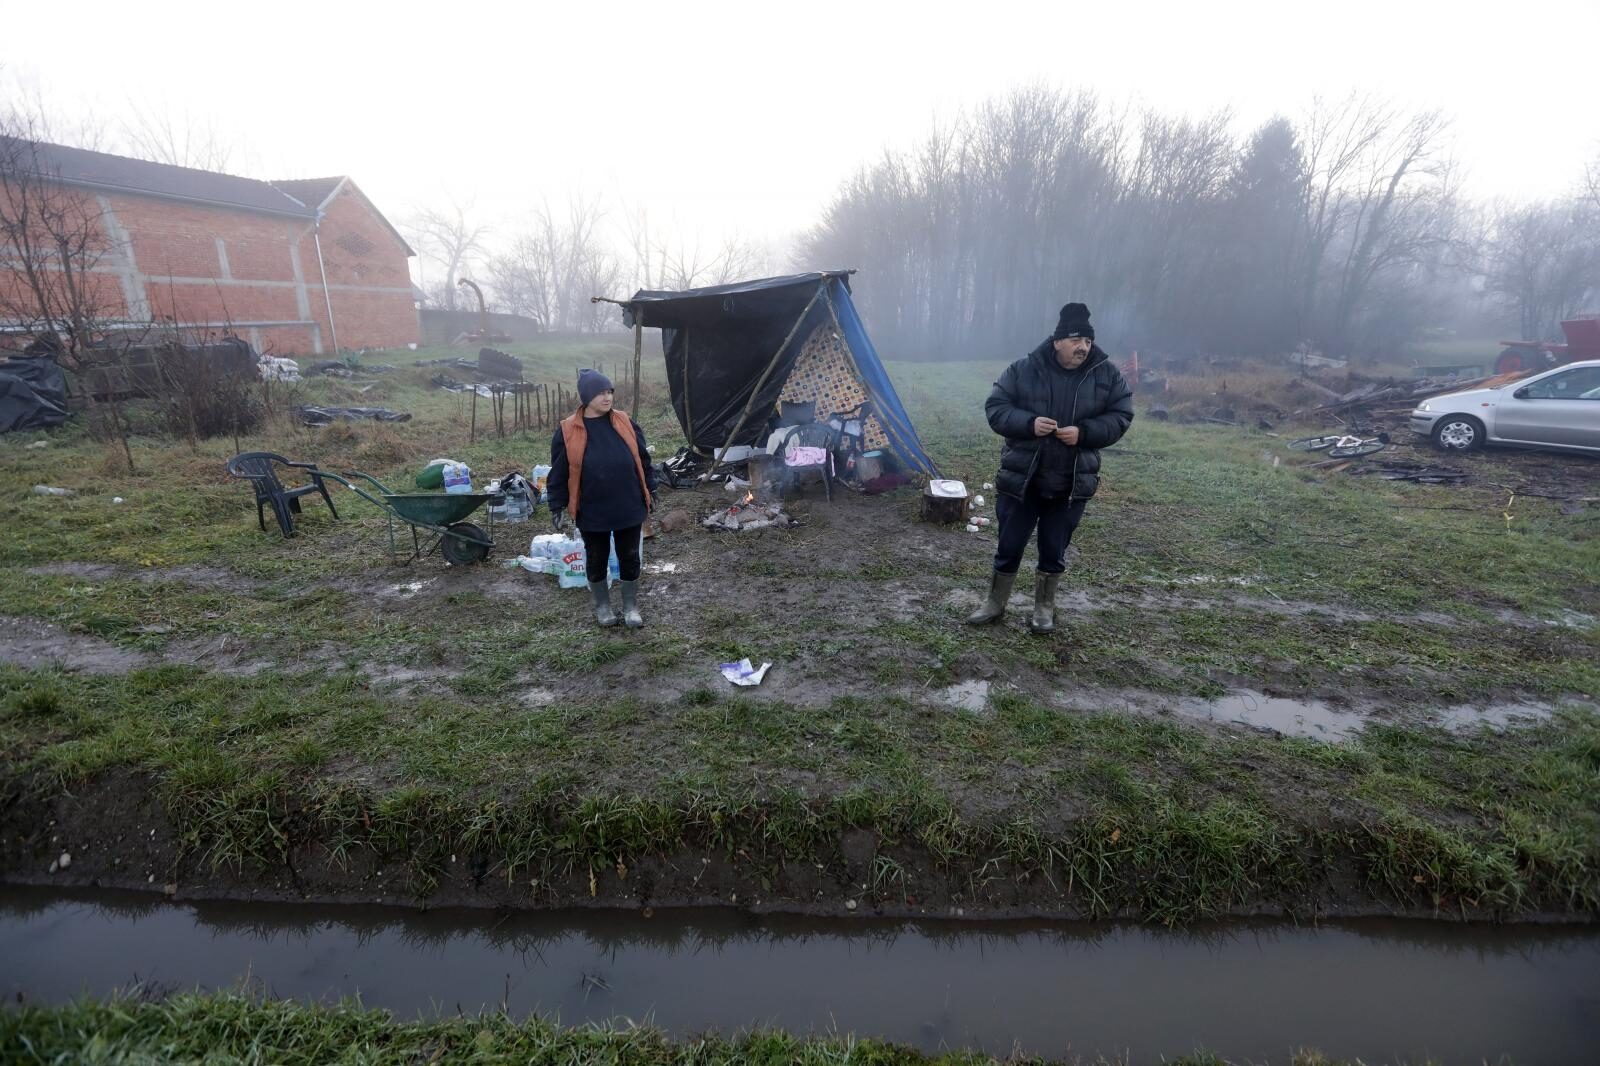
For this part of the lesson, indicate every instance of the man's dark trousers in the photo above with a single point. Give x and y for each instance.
(1056, 518)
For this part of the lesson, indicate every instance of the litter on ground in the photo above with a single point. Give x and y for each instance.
(744, 674)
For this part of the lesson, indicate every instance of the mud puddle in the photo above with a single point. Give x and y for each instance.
(1295, 718)
(1374, 990)
(36, 645)
(1298, 717)
(970, 696)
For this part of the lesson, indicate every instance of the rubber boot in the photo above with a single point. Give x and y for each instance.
(994, 608)
(602, 604)
(1044, 603)
(630, 604)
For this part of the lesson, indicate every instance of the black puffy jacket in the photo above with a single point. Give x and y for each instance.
(1094, 397)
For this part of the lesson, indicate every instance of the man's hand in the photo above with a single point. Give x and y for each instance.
(1043, 427)
(560, 521)
(1067, 434)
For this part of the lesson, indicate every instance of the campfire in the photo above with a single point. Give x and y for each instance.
(748, 513)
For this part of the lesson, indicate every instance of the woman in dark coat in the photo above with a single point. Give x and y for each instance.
(601, 482)
(1055, 408)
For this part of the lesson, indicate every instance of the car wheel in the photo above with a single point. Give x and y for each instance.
(1458, 433)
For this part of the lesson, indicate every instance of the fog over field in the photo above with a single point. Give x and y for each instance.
(546, 150)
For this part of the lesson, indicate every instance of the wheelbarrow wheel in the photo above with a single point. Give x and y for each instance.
(459, 552)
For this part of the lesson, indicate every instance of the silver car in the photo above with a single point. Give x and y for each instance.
(1558, 409)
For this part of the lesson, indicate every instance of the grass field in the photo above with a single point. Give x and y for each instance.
(305, 717)
(227, 1029)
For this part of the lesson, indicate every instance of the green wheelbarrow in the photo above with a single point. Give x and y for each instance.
(435, 519)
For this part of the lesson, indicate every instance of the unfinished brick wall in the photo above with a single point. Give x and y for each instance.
(369, 276)
(206, 267)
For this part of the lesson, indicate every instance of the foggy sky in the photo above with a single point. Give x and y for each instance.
(744, 118)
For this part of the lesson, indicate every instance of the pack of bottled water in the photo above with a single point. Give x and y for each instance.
(565, 557)
(457, 477)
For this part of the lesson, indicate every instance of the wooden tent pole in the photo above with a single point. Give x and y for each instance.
(638, 354)
(744, 416)
(688, 409)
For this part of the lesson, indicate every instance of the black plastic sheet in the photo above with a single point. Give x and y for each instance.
(33, 394)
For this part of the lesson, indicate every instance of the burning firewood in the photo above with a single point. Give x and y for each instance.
(747, 514)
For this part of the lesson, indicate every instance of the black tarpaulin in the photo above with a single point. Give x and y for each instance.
(721, 341)
(33, 394)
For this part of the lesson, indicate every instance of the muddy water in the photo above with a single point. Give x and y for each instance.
(1380, 990)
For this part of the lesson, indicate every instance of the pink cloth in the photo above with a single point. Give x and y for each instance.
(804, 456)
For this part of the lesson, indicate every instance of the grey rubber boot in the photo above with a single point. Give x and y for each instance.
(602, 604)
(994, 608)
(630, 604)
(1044, 603)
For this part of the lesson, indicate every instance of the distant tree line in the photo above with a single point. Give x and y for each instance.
(1343, 231)
(550, 261)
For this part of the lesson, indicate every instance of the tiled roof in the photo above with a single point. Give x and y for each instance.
(101, 170)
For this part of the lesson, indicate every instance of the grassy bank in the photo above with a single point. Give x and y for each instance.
(239, 1029)
(307, 706)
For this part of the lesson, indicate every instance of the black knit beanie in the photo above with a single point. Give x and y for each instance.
(1074, 322)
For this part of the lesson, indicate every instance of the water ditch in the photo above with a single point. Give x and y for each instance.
(1380, 990)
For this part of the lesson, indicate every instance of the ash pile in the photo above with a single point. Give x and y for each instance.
(748, 514)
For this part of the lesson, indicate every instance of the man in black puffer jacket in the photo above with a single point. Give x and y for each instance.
(1056, 408)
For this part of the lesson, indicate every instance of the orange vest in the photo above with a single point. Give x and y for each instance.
(576, 437)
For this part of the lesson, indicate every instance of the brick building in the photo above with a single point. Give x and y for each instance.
(295, 267)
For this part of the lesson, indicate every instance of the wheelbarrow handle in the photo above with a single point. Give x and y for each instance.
(357, 489)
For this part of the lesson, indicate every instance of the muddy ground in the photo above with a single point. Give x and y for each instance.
(840, 588)
(857, 601)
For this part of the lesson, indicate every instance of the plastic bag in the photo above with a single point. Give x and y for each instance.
(457, 478)
(432, 476)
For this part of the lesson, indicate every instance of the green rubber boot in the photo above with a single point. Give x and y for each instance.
(994, 608)
(1044, 603)
(602, 604)
(630, 604)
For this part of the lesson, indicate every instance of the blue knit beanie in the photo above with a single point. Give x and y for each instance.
(591, 383)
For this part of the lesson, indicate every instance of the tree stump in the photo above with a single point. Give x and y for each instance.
(944, 510)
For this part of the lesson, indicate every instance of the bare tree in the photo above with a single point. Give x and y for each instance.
(1396, 210)
(182, 141)
(1338, 138)
(1177, 234)
(523, 279)
(28, 109)
(448, 238)
(555, 264)
(690, 261)
(53, 240)
(1543, 262)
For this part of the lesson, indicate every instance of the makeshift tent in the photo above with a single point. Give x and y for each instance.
(733, 351)
(33, 394)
